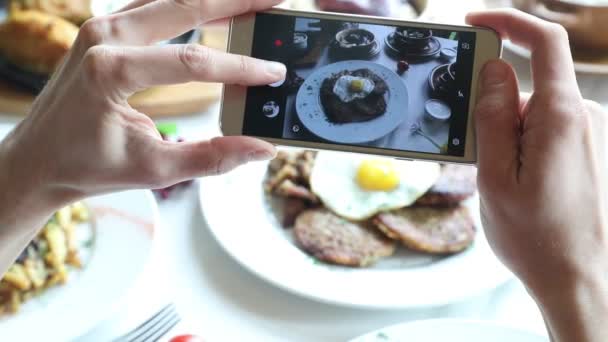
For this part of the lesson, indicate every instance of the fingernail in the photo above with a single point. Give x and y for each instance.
(261, 155)
(494, 73)
(276, 69)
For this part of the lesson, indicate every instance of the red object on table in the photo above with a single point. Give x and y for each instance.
(187, 338)
(402, 67)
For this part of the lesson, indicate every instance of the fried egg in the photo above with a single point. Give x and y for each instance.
(358, 187)
(349, 88)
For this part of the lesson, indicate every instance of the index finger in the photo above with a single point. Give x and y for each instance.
(164, 19)
(552, 65)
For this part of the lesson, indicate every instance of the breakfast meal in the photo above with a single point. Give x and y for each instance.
(36, 41)
(36, 35)
(76, 11)
(46, 261)
(355, 210)
(353, 96)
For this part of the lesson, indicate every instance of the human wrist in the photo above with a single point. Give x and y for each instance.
(575, 305)
(27, 197)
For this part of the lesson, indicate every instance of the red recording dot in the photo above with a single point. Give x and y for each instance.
(278, 43)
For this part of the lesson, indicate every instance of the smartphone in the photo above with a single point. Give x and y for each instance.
(360, 84)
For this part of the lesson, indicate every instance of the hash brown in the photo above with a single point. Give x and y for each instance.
(335, 240)
(429, 230)
(456, 184)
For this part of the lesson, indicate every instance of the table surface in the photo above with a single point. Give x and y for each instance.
(221, 301)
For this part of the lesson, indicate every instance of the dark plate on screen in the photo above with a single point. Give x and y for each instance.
(427, 52)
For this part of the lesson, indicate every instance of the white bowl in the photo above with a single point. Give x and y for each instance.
(437, 110)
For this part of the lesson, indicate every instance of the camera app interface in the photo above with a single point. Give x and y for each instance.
(398, 88)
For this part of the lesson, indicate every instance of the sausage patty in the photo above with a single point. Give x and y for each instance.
(429, 230)
(335, 240)
(456, 183)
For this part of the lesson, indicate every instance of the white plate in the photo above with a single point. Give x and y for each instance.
(122, 229)
(239, 217)
(450, 330)
(310, 110)
(124, 226)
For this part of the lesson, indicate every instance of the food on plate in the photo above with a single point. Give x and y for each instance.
(333, 239)
(46, 261)
(289, 175)
(429, 229)
(353, 96)
(456, 184)
(358, 187)
(350, 88)
(293, 82)
(76, 11)
(354, 43)
(290, 209)
(36, 41)
(356, 37)
(351, 210)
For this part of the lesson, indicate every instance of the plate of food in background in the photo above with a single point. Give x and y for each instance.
(585, 20)
(352, 102)
(355, 230)
(78, 268)
(35, 36)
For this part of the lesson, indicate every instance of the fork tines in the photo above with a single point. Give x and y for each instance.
(155, 327)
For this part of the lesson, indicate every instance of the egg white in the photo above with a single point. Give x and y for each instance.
(334, 180)
(342, 88)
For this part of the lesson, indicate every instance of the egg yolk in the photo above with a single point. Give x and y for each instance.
(377, 175)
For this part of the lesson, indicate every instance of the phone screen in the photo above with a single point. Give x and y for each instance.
(360, 84)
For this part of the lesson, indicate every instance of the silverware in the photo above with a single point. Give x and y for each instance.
(416, 128)
(155, 327)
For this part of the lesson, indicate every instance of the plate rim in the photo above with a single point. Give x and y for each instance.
(506, 275)
(459, 321)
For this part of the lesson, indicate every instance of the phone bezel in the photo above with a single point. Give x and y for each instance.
(240, 41)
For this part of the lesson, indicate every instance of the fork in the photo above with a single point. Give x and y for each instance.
(416, 128)
(155, 327)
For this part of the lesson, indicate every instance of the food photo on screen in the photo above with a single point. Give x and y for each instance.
(358, 84)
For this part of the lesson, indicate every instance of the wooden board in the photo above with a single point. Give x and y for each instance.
(171, 100)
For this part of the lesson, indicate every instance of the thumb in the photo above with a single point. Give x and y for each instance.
(497, 125)
(215, 156)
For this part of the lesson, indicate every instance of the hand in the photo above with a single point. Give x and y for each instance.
(542, 170)
(82, 138)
